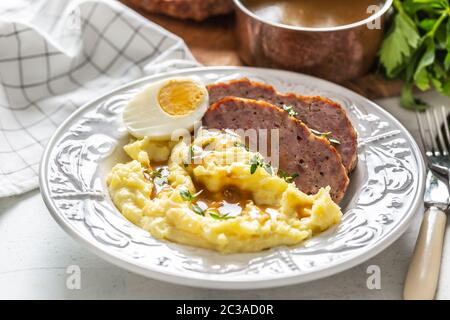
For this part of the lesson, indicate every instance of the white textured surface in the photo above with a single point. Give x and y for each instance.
(35, 252)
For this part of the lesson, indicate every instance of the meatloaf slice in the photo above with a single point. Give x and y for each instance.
(300, 151)
(318, 113)
(186, 9)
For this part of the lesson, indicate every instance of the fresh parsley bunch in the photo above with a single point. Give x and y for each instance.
(417, 48)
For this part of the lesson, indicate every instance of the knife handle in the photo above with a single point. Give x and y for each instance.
(423, 273)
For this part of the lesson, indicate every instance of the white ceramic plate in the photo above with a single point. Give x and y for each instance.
(383, 195)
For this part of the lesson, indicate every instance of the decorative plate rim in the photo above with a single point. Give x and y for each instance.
(203, 282)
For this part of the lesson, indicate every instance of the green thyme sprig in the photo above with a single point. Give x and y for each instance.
(157, 176)
(286, 176)
(196, 208)
(218, 216)
(240, 145)
(189, 197)
(290, 110)
(326, 135)
(256, 162)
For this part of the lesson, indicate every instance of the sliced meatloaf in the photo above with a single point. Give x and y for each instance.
(318, 113)
(313, 158)
(186, 9)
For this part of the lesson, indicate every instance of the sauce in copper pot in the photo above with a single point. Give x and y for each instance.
(313, 13)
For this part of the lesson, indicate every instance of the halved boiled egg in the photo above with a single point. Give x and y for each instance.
(166, 106)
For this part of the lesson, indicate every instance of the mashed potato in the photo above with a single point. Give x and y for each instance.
(214, 193)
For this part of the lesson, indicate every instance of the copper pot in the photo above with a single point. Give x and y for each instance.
(335, 53)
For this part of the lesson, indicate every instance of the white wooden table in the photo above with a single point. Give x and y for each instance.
(35, 254)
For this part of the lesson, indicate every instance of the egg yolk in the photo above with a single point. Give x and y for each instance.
(180, 97)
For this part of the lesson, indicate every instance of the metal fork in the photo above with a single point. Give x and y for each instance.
(423, 273)
(435, 136)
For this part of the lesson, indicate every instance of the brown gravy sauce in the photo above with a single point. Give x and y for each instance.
(229, 202)
(312, 13)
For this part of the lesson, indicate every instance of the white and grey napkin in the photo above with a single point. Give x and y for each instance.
(56, 55)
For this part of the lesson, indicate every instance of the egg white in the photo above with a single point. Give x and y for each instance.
(144, 117)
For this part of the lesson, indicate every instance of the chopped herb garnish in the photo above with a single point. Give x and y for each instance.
(326, 135)
(147, 174)
(217, 216)
(197, 194)
(256, 162)
(159, 178)
(268, 168)
(240, 145)
(198, 210)
(156, 175)
(286, 176)
(290, 110)
(333, 140)
(321, 134)
(188, 196)
(191, 154)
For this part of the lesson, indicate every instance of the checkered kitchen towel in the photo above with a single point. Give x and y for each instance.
(56, 55)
